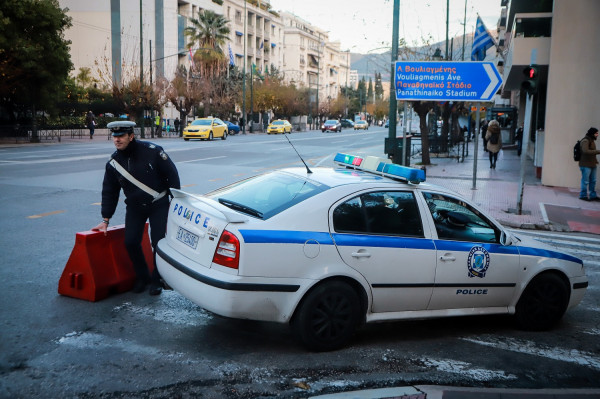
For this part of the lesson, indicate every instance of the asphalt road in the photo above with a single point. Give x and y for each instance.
(137, 346)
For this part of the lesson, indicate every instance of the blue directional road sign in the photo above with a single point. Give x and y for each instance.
(446, 81)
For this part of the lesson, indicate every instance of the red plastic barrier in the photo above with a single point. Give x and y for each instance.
(99, 265)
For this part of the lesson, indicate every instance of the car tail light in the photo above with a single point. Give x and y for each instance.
(228, 251)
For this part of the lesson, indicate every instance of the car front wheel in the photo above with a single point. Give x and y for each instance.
(327, 317)
(224, 135)
(210, 136)
(543, 303)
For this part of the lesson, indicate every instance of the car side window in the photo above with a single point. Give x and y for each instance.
(456, 220)
(381, 212)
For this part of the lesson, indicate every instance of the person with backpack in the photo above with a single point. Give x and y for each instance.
(494, 142)
(588, 165)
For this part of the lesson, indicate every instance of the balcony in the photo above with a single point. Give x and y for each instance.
(530, 31)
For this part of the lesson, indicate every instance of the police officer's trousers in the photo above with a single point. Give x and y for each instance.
(135, 220)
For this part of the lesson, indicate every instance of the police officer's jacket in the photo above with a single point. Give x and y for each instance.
(149, 164)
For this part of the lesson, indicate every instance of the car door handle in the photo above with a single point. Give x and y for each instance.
(361, 254)
(447, 258)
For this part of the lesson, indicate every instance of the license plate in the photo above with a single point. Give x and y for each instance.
(189, 239)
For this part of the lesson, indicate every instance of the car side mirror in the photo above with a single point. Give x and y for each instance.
(505, 238)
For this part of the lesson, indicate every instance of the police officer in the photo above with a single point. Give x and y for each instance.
(145, 173)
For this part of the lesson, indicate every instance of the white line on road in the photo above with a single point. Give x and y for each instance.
(200, 159)
(586, 359)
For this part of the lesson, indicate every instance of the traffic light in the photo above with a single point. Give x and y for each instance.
(532, 75)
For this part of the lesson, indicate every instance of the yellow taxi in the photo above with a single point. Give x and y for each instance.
(361, 125)
(279, 126)
(205, 129)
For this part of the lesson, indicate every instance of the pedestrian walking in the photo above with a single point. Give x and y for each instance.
(483, 130)
(145, 173)
(177, 123)
(588, 164)
(90, 122)
(519, 139)
(494, 142)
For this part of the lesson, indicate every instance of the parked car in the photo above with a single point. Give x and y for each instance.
(347, 123)
(361, 125)
(328, 249)
(279, 126)
(331, 125)
(205, 129)
(232, 128)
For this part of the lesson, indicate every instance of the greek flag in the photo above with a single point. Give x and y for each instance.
(231, 62)
(261, 45)
(482, 41)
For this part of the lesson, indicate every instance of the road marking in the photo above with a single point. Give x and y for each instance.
(201, 159)
(531, 348)
(41, 215)
(97, 203)
(188, 185)
(464, 368)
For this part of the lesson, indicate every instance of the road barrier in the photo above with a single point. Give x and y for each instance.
(99, 265)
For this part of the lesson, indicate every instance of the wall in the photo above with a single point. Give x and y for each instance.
(573, 87)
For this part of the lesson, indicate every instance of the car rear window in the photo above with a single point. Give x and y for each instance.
(265, 196)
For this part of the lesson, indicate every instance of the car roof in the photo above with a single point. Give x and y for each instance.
(339, 176)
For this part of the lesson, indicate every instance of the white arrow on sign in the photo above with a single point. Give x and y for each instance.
(493, 80)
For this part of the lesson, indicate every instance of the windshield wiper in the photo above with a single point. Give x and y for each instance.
(239, 207)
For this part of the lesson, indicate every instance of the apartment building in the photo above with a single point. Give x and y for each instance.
(257, 27)
(561, 37)
(311, 60)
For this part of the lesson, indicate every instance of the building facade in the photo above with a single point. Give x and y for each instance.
(106, 39)
(561, 37)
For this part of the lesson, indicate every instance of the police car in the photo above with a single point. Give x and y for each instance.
(329, 249)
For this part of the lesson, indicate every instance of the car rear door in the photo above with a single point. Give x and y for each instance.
(380, 234)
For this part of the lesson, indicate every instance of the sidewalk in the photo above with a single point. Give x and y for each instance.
(543, 207)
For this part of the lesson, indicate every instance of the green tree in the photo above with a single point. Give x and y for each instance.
(370, 91)
(209, 32)
(34, 55)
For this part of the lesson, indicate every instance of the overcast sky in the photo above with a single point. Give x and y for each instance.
(363, 25)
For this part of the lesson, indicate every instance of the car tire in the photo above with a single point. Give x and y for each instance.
(543, 303)
(323, 130)
(210, 136)
(224, 135)
(186, 139)
(327, 317)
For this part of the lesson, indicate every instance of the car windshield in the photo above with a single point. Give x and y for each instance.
(265, 196)
(331, 122)
(277, 123)
(202, 122)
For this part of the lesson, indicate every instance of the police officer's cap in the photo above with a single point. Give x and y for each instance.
(120, 128)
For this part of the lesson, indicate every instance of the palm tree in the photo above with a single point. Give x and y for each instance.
(208, 32)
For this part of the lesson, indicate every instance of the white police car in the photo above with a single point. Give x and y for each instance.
(329, 249)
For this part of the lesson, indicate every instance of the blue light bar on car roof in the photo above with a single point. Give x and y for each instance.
(381, 166)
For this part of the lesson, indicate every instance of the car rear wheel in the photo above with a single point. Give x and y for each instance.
(543, 303)
(327, 317)
(186, 139)
(224, 135)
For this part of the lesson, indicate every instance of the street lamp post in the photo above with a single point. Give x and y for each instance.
(244, 75)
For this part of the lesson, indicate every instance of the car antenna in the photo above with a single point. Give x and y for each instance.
(307, 168)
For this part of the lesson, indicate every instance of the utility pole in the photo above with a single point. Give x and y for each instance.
(318, 73)
(244, 75)
(464, 32)
(447, 22)
(141, 72)
(391, 145)
(151, 96)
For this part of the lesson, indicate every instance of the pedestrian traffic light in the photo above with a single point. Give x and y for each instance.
(532, 75)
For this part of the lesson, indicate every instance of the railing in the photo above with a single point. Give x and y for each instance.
(24, 133)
